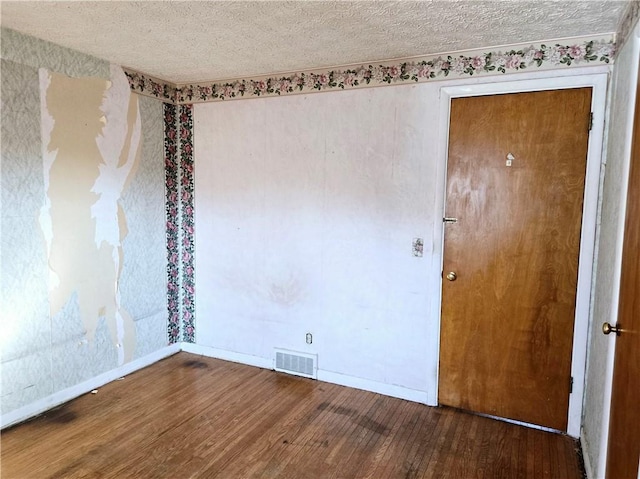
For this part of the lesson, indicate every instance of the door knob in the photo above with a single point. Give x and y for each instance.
(608, 329)
(452, 276)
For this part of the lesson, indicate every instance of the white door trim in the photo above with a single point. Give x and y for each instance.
(598, 81)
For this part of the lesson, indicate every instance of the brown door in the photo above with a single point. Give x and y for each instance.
(515, 184)
(624, 426)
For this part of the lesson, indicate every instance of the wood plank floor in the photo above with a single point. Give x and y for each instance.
(191, 416)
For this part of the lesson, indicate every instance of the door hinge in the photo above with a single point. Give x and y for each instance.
(590, 121)
(570, 384)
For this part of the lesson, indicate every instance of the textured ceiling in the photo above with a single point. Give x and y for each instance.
(212, 40)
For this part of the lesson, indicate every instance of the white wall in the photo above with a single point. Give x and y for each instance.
(306, 208)
(607, 280)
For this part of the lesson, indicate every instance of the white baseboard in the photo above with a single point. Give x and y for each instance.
(227, 355)
(327, 376)
(61, 397)
(588, 469)
(392, 390)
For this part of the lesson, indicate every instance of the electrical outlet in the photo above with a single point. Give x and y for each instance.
(309, 338)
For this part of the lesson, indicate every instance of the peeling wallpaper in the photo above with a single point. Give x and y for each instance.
(91, 148)
(42, 353)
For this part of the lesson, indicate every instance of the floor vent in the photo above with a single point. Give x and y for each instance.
(300, 364)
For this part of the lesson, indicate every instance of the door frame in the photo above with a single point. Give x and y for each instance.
(598, 81)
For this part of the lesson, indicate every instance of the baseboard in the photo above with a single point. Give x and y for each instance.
(61, 397)
(327, 376)
(392, 390)
(227, 355)
(588, 469)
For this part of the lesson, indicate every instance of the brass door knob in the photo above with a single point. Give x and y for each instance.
(608, 329)
(452, 276)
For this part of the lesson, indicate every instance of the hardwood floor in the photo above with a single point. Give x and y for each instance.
(191, 416)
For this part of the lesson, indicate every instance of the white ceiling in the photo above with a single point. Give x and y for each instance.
(190, 41)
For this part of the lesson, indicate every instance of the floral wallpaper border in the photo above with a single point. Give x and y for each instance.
(172, 222)
(628, 22)
(537, 56)
(150, 86)
(187, 223)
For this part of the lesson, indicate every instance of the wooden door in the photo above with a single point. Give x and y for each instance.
(515, 184)
(624, 427)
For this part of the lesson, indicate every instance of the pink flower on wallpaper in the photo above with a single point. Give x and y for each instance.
(188, 148)
(173, 211)
(186, 196)
(323, 79)
(188, 271)
(172, 287)
(173, 258)
(186, 256)
(513, 61)
(284, 85)
(445, 66)
(538, 55)
(576, 51)
(349, 79)
(393, 71)
(184, 133)
(424, 71)
(187, 313)
(227, 90)
(261, 86)
(189, 229)
(171, 226)
(478, 62)
(188, 210)
(173, 197)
